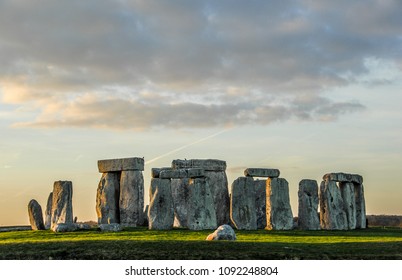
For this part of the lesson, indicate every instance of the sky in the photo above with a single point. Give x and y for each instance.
(308, 87)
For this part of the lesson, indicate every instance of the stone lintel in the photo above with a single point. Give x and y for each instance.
(182, 173)
(343, 177)
(155, 172)
(121, 164)
(261, 172)
(206, 164)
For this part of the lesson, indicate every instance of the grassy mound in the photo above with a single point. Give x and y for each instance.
(141, 243)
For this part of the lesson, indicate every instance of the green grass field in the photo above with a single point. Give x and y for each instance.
(141, 243)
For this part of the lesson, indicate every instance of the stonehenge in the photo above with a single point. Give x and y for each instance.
(120, 193)
(194, 194)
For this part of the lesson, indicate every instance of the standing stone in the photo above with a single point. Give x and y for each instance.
(160, 212)
(201, 210)
(360, 206)
(279, 212)
(131, 202)
(48, 212)
(242, 204)
(349, 203)
(62, 203)
(260, 203)
(180, 194)
(35, 215)
(308, 205)
(107, 198)
(332, 213)
(218, 183)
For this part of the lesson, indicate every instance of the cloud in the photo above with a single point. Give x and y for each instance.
(144, 64)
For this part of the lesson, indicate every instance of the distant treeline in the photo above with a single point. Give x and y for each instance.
(384, 221)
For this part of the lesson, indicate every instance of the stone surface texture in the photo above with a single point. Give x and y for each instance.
(279, 212)
(107, 198)
(343, 177)
(35, 215)
(62, 205)
(218, 184)
(224, 232)
(66, 227)
(131, 199)
(201, 210)
(262, 172)
(349, 203)
(181, 195)
(242, 204)
(360, 206)
(160, 211)
(113, 227)
(48, 211)
(260, 203)
(332, 210)
(308, 218)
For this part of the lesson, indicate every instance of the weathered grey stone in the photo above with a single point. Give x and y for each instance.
(343, 177)
(332, 211)
(35, 215)
(308, 205)
(195, 172)
(121, 164)
(260, 203)
(107, 198)
(48, 211)
(65, 227)
(224, 232)
(145, 215)
(173, 174)
(279, 212)
(112, 227)
(83, 226)
(360, 206)
(201, 211)
(218, 184)
(160, 212)
(349, 203)
(262, 172)
(62, 203)
(156, 171)
(181, 195)
(242, 204)
(131, 202)
(206, 164)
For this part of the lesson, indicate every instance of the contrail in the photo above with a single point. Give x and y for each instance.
(187, 145)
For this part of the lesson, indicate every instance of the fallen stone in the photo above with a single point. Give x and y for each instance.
(201, 211)
(261, 172)
(360, 206)
(35, 215)
(65, 227)
(343, 177)
(122, 164)
(62, 204)
(131, 201)
(218, 184)
(206, 164)
(242, 204)
(260, 203)
(160, 212)
(308, 205)
(83, 226)
(107, 198)
(349, 203)
(180, 194)
(113, 227)
(332, 211)
(48, 211)
(279, 212)
(224, 232)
